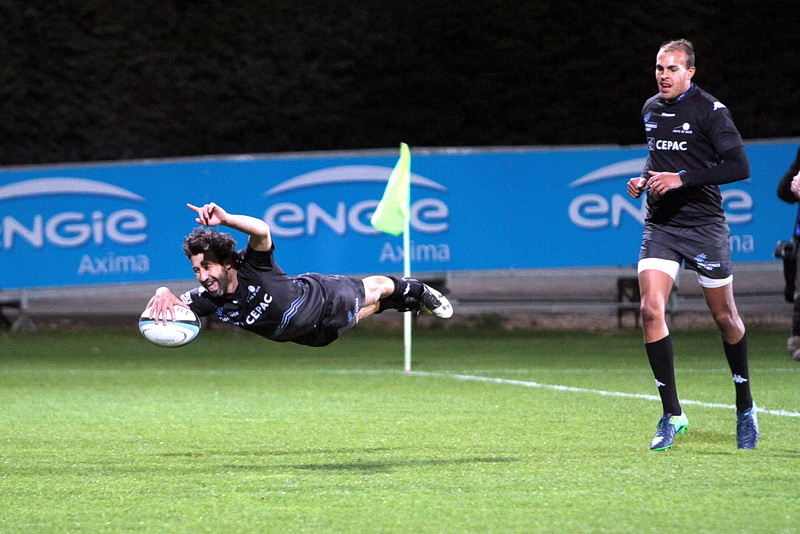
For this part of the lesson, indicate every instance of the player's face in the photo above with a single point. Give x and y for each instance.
(217, 278)
(672, 76)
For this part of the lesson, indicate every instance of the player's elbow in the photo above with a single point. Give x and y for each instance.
(745, 170)
(260, 241)
(737, 164)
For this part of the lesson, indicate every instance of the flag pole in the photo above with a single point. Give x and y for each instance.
(407, 317)
(393, 216)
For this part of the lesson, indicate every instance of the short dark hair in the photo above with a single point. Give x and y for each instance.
(220, 245)
(683, 45)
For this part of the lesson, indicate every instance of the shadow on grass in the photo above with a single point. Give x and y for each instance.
(384, 466)
(303, 452)
(358, 464)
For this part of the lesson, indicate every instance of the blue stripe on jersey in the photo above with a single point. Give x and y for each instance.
(287, 316)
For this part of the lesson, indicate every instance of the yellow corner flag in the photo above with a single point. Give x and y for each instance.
(392, 212)
(393, 217)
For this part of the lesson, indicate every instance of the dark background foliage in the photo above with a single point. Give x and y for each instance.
(103, 80)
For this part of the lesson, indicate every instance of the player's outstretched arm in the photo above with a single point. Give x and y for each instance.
(257, 229)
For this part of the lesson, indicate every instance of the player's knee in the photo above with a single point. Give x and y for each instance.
(728, 321)
(652, 311)
(378, 287)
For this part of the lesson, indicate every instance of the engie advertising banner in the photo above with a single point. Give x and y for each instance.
(471, 209)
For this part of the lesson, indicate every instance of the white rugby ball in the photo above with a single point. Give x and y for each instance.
(178, 331)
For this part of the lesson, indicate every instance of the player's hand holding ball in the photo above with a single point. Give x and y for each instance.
(182, 327)
(167, 321)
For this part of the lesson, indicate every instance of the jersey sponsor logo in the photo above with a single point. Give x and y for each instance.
(259, 310)
(228, 316)
(666, 144)
(252, 292)
(703, 262)
(684, 128)
(649, 124)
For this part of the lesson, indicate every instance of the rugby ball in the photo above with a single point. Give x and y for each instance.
(178, 331)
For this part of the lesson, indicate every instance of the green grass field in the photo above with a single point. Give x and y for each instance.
(498, 432)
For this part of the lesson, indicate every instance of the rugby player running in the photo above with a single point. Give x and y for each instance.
(694, 147)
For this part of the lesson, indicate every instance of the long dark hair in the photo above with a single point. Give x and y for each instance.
(219, 245)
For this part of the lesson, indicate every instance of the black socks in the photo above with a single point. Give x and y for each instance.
(737, 361)
(404, 287)
(662, 362)
(661, 358)
(796, 317)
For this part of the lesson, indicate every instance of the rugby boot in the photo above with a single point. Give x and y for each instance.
(794, 347)
(747, 428)
(668, 426)
(435, 303)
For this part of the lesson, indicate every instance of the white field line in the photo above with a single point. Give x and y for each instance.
(463, 377)
(571, 389)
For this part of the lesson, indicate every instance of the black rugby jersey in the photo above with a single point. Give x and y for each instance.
(785, 191)
(266, 301)
(687, 133)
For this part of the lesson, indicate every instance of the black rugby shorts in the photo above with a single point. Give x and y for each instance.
(344, 296)
(703, 249)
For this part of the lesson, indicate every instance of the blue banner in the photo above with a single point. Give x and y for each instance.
(471, 209)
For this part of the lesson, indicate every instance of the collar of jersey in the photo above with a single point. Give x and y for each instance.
(680, 96)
